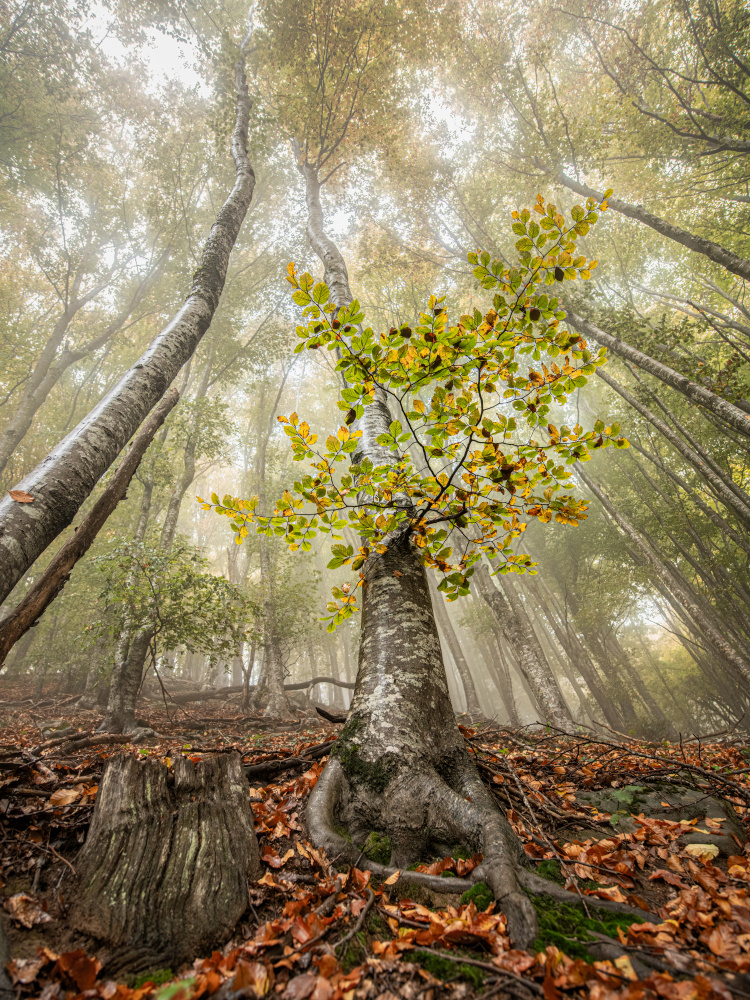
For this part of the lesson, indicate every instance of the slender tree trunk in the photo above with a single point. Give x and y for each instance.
(668, 576)
(445, 626)
(729, 413)
(63, 480)
(578, 656)
(724, 491)
(520, 638)
(719, 254)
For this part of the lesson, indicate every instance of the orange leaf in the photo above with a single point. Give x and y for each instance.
(80, 968)
(64, 796)
(20, 496)
(251, 975)
(393, 878)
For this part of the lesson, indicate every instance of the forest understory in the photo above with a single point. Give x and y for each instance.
(660, 827)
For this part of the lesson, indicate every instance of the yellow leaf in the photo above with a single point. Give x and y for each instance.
(703, 851)
(393, 878)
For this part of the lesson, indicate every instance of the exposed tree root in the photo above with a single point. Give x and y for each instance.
(420, 809)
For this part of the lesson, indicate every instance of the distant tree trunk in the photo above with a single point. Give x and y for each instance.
(578, 656)
(445, 626)
(63, 480)
(668, 576)
(163, 874)
(725, 491)
(726, 411)
(531, 660)
(719, 254)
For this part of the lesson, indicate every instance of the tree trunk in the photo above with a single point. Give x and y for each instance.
(127, 676)
(667, 575)
(63, 480)
(729, 413)
(719, 254)
(163, 874)
(532, 663)
(725, 492)
(400, 766)
(449, 633)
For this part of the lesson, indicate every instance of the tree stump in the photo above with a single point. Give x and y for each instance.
(162, 877)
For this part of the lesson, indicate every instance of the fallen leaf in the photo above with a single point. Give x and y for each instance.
(252, 975)
(393, 878)
(80, 968)
(27, 910)
(323, 989)
(64, 796)
(20, 496)
(703, 851)
(300, 987)
(25, 970)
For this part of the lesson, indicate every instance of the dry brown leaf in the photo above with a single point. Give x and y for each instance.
(20, 496)
(64, 796)
(703, 851)
(27, 910)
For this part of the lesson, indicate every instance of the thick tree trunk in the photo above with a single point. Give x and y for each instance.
(163, 874)
(63, 480)
(525, 648)
(400, 765)
(449, 633)
(729, 413)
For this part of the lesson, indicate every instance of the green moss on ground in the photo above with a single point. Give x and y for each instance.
(550, 869)
(446, 970)
(342, 832)
(156, 976)
(377, 847)
(480, 895)
(566, 926)
(355, 952)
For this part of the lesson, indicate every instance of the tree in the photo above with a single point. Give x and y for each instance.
(400, 764)
(61, 483)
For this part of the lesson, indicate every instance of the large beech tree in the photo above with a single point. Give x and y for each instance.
(400, 764)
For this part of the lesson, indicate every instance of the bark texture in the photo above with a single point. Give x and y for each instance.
(400, 765)
(54, 578)
(63, 480)
(163, 874)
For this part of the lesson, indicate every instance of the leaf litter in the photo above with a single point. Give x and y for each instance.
(313, 931)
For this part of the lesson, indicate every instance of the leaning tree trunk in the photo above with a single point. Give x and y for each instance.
(64, 479)
(400, 765)
(163, 874)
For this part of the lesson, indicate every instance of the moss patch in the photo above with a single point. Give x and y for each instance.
(375, 774)
(566, 926)
(447, 971)
(480, 895)
(550, 869)
(377, 848)
(156, 976)
(355, 953)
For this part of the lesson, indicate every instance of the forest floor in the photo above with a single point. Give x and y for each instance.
(606, 817)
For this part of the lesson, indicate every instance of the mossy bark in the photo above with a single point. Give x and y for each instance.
(163, 874)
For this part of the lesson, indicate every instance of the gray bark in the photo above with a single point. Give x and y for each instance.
(719, 254)
(530, 658)
(729, 413)
(63, 480)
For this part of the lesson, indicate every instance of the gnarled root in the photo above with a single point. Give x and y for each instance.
(418, 809)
